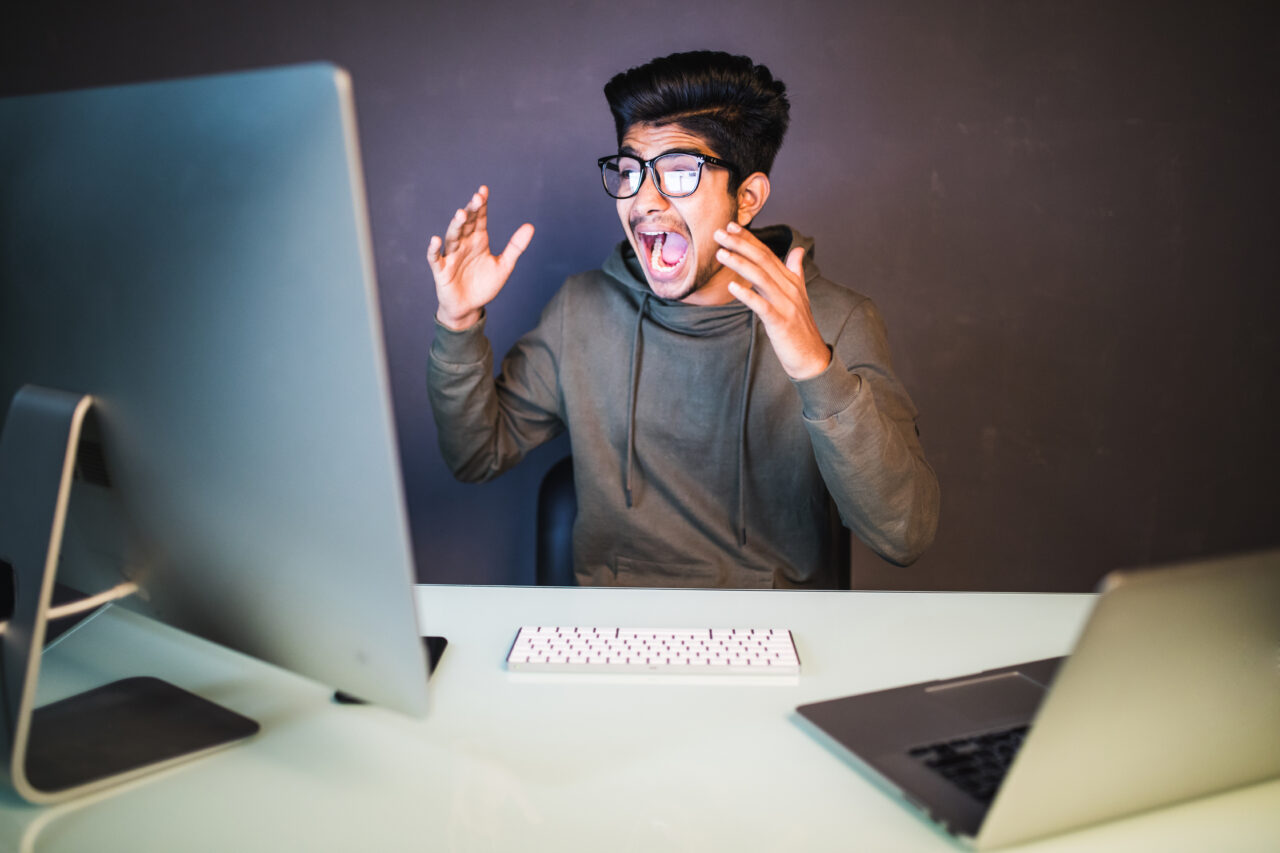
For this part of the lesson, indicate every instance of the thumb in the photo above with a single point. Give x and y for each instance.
(516, 245)
(795, 260)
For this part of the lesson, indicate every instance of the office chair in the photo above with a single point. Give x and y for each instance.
(557, 508)
(842, 553)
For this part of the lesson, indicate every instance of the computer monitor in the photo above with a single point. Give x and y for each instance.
(189, 263)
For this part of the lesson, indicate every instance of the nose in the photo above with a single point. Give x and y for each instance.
(648, 199)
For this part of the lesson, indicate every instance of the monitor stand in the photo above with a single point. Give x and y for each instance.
(107, 735)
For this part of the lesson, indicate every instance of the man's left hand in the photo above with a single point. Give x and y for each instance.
(776, 292)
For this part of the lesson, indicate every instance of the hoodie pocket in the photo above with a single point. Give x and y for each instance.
(634, 572)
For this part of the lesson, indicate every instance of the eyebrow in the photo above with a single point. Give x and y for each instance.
(628, 151)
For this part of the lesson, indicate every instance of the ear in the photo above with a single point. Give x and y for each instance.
(753, 192)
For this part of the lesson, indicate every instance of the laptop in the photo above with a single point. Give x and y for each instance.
(1172, 692)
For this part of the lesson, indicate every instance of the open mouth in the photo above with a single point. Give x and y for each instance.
(664, 252)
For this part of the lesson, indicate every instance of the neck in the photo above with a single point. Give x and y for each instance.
(715, 291)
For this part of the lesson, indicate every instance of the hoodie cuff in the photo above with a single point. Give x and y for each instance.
(830, 392)
(464, 346)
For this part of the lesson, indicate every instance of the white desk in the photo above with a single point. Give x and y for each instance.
(503, 763)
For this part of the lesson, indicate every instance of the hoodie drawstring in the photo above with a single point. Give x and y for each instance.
(631, 398)
(742, 434)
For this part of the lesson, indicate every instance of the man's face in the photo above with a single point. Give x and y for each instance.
(672, 237)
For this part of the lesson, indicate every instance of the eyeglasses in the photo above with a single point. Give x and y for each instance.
(675, 174)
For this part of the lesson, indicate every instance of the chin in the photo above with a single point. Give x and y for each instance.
(675, 290)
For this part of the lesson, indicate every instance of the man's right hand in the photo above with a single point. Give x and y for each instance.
(467, 275)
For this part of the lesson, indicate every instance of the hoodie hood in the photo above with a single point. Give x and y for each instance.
(699, 320)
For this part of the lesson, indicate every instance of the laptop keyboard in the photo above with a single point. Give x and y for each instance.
(976, 764)
(663, 651)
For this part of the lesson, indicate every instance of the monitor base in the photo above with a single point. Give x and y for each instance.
(107, 735)
(124, 726)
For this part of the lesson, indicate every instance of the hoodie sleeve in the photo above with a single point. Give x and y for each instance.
(485, 425)
(862, 425)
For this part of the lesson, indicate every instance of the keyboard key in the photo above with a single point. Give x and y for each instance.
(666, 651)
(975, 764)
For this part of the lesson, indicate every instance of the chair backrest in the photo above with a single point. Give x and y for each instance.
(842, 548)
(557, 508)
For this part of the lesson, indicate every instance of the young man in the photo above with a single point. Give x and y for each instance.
(720, 395)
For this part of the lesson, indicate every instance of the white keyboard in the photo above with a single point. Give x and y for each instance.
(655, 651)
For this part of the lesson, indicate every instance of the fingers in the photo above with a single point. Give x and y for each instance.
(775, 291)
(749, 298)
(453, 234)
(768, 285)
(742, 252)
(475, 214)
(751, 272)
(515, 247)
(433, 255)
(481, 200)
(468, 220)
(740, 241)
(466, 241)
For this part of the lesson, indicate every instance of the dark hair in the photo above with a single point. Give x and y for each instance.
(735, 105)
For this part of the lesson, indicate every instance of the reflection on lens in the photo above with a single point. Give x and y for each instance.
(622, 176)
(678, 173)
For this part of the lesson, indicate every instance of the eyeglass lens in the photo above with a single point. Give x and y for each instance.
(677, 174)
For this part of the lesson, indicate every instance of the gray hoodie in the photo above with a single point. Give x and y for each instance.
(697, 460)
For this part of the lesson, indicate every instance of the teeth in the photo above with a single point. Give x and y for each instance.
(655, 254)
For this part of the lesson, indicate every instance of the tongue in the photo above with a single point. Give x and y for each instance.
(673, 249)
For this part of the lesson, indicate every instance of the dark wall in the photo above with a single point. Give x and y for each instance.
(1065, 211)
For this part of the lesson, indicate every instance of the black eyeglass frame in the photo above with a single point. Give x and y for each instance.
(646, 168)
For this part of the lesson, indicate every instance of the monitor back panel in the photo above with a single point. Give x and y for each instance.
(196, 255)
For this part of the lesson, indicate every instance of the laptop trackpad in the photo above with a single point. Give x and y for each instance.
(989, 697)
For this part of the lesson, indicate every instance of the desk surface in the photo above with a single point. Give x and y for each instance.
(510, 763)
